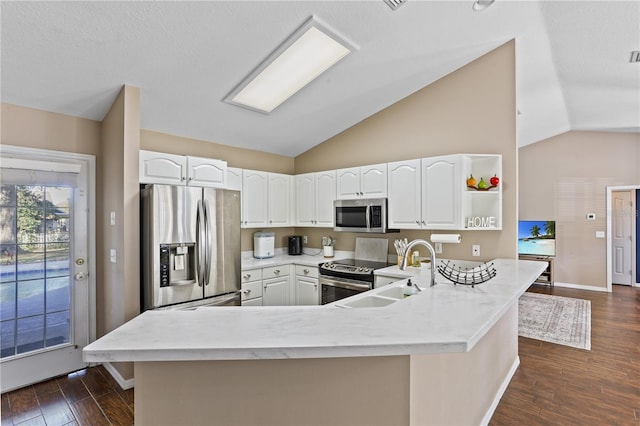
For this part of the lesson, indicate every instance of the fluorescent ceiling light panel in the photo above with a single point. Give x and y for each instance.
(309, 52)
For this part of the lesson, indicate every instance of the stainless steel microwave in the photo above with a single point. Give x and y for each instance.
(361, 215)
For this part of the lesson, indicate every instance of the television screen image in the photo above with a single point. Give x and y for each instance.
(537, 237)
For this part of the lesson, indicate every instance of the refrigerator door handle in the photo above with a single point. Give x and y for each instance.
(200, 240)
(207, 243)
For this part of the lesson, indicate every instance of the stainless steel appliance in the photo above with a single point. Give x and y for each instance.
(347, 277)
(361, 215)
(295, 245)
(190, 246)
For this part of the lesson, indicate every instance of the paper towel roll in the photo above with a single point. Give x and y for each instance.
(445, 238)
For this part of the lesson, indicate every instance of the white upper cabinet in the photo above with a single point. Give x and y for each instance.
(255, 186)
(206, 172)
(279, 200)
(441, 192)
(314, 195)
(234, 178)
(160, 167)
(362, 182)
(432, 193)
(404, 209)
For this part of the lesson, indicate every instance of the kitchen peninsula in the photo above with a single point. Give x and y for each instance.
(443, 356)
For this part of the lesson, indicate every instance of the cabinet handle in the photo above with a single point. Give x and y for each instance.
(306, 271)
(247, 291)
(271, 221)
(246, 276)
(182, 178)
(277, 271)
(190, 177)
(423, 222)
(417, 222)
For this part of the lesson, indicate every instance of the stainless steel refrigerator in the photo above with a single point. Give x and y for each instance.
(190, 246)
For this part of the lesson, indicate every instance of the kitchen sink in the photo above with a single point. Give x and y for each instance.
(392, 292)
(370, 302)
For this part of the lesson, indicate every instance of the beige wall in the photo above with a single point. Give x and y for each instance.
(119, 293)
(472, 110)
(565, 177)
(34, 128)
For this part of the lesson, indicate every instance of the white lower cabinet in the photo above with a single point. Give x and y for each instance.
(275, 285)
(307, 290)
(251, 288)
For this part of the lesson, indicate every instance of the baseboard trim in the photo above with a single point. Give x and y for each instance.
(503, 387)
(581, 287)
(124, 384)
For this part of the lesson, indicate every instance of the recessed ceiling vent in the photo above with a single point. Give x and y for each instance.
(635, 56)
(394, 4)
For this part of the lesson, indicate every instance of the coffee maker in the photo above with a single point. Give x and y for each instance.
(295, 245)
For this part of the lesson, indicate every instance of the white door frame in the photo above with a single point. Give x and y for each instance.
(610, 190)
(90, 162)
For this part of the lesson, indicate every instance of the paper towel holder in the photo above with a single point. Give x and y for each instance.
(446, 238)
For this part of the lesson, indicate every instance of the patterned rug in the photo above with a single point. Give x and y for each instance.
(555, 319)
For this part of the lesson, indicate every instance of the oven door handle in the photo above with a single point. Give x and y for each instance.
(344, 284)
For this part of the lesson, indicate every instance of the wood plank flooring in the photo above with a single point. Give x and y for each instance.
(86, 397)
(554, 385)
(560, 385)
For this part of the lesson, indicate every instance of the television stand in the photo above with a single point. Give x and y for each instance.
(546, 277)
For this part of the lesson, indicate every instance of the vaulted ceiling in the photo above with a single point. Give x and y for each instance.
(572, 62)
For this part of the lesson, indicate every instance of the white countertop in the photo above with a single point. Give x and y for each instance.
(310, 257)
(444, 318)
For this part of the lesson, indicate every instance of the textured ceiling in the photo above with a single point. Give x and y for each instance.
(573, 69)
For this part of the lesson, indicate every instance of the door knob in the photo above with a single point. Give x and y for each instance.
(80, 276)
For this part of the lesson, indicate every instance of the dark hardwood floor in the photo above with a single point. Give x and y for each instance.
(560, 385)
(86, 397)
(554, 385)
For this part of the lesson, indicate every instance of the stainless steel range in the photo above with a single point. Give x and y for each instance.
(347, 277)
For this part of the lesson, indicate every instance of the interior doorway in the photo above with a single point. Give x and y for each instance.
(622, 235)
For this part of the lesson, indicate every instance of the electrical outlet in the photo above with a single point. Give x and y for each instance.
(475, 250)
(438, 248)
(112, 255)
(113, 218)
(305, 239)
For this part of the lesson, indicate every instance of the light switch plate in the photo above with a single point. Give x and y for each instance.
(112, 255)
(438, 248)
(112, 217)
(600, 234)
(475, 250)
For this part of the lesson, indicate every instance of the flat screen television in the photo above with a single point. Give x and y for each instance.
(537, 237)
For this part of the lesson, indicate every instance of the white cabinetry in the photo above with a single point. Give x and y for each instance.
(251, 288)
(163, 168)
(266, 199)
(275, 285)
(306, 285)
(254, 198)
(431, 193)
(234, 178)
(362, 182)
(279, 200)
(314, 194)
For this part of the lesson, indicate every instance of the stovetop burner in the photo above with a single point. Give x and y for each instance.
(351, 266)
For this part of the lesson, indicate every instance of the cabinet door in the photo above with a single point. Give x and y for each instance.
(279, 199)
(441, 192)
(307, 291)
(254, 198)
(234, 178)
(206, 172)
(305, 199)
(373, 181)
(159, 167)
(275, 291)
(252, 302)
(348, 183)
(325, 191)
(405, 195)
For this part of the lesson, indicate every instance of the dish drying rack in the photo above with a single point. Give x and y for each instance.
(472, 277)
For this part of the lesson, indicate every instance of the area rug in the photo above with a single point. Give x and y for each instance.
(555, 319)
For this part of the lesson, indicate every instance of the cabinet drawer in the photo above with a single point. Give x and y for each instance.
(307, 271)
(252, 275)
(275, 271)
(253, 302)
(251, 290)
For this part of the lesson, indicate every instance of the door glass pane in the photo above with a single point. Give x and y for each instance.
(35, 267)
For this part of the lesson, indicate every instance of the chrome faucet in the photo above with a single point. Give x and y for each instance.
(432, 255)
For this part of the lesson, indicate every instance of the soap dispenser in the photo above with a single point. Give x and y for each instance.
(409, 289)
